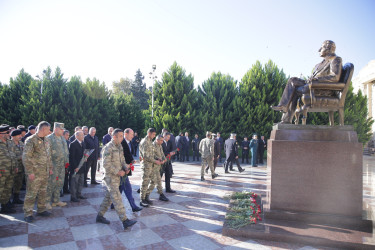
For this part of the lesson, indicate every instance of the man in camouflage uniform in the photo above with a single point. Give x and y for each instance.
(147, 160)
(155, 176)
(114, 165)
(8, 168)
(206, 149)
(18, 178)
(36, 158)
(60, 157)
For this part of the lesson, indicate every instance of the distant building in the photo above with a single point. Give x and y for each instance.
(365, 81)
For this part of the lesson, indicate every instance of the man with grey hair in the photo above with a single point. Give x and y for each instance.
(36, 158)
(60, 158)
(108, 137)
(73, 137)
(206, 149)
(92, 142)
(76, 150)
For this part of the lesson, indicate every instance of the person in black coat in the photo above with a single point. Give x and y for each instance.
(66, 180)
(92, 142)
(135, 143)
(180, 145)
(195, 145)
(245, 150)
(167, 149)
(231, 153)
(262, 146)
(76, 149)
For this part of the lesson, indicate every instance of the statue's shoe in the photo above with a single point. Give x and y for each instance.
(280, 108)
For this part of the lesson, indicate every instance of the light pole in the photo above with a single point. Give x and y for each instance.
(153, 77)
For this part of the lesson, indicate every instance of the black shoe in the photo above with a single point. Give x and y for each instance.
(44, 214)
(85, 185)
(82, 197)
(7, 210)
(227, 172)
(101, 219)
(128, 223)
(143, 203)
(214, 176)
(66, 192)
(231, 169)
(202, 178)
(74, 200)
(16, 199)
(170, 191)
(112, 206)
(241, 170)
(147, 199)
(138, 191)
(94, 183)
(61, 193)
(29, 219)
(137, 209)
(10, 204)
(163, 198)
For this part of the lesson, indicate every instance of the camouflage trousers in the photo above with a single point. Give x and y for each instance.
(18, 179)
(6, 185)
(146, 179)
(207, 161)
(55, 184)
(113, 195)
(155, 180)
(34, 189)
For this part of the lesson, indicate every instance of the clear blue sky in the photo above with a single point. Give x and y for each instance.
(112, 39)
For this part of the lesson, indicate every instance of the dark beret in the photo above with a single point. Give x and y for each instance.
(23, 130)
(4, 127)
(31, 127)
(15, 132)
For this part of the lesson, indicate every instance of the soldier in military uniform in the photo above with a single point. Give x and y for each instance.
(206, 149)
(18, 145)
(60, 157)
(8, 168)
(114, 168)
(36, 158)
(155, 177)
(147, 160)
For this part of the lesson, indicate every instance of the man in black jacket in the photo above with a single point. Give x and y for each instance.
(92, 142)
(76, 149)
(262, 145)
(245, 150)
(180, 146)
(195, 145)
(231, 153)
(167, 149)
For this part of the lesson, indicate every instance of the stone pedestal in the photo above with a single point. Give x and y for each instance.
(315, 169)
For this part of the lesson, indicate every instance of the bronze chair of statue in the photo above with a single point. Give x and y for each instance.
(320, 103)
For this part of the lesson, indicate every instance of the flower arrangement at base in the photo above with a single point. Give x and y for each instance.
(244, 209)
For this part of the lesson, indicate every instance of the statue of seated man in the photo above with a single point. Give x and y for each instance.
(328, 71)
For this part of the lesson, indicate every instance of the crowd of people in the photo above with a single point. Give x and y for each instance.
(53, 163)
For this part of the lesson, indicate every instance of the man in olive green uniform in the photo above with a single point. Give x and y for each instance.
(8, 168)
(147, 160)
(18, 145)
(114, 165)
(36, 158)
(206, 149)
(155, 175)
(60, 157)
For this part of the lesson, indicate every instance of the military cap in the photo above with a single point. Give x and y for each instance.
(58, 125)
(208, 133)
(31, 127)
(16, 132)
(4, 127)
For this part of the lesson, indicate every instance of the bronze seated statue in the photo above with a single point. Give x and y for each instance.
(317, 99)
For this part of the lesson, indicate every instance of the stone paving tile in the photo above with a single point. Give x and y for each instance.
(172, 231)
(134, 239)
(194, 241)
(13, 229)
(72, 245)
(90, 231)
(48, 225)
(50, 238)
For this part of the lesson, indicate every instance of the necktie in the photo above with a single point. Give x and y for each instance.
(130, 148)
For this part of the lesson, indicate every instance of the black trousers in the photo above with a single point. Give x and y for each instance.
(91, 164)
(168, 175)
(66, 180)
(229, 163)
(196, 155)
(245, 155)
(260, 155)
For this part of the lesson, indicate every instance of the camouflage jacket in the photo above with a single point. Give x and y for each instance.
(206, 148)
(158, 151)
(18, 149)
(59, 150)
(36, 156)
(8, 158)
(146, 152)
(113, 160)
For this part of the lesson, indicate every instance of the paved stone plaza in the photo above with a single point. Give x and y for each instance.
(192, 219)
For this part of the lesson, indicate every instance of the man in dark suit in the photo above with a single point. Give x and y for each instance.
(66, 180)
(108, 137)
(195, 145)
(135, 143)
(73, 137)
(231, 153)
(245, 150)
(76, 150)
(167, 149)
(92, 142)
(180, 146)
(221, 141)
(262, 145)
(128, 154)
(328, 71)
